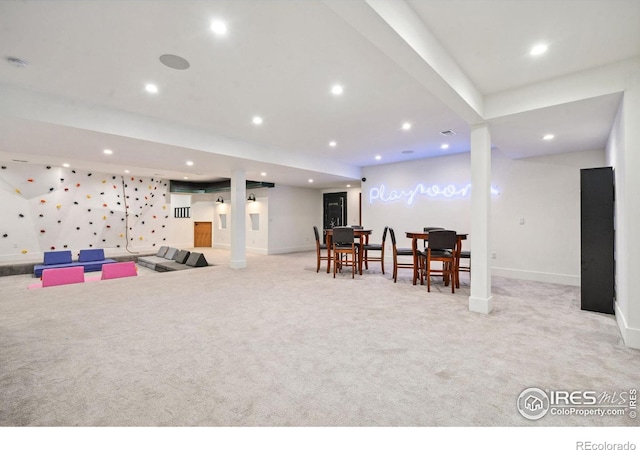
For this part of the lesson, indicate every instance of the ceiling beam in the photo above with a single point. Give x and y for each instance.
(395, 29)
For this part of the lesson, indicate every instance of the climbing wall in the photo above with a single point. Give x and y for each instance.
(53, 208)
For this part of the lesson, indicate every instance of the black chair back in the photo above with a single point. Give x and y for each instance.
(384, 235)
(442, 240)
(342, 235)
(393, 236)
(429, 229)
(315, 231)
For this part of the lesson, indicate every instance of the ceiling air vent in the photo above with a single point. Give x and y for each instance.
(17, 62)
(447, 133)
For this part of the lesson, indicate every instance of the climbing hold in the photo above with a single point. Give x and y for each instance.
(43, 201)
(77, 184)
(104, 217)
(58, 206)
(42, 231)
(88, 196)
(30, 180)
(18, 191)
(24, 252)
(20, 215)
(77, 228)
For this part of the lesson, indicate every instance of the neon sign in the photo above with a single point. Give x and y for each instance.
(449, 191)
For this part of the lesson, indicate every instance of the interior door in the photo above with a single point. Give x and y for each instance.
(335, 209)
(202, 234)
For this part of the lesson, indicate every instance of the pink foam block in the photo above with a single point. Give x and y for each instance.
(62, 275)
(119, 270)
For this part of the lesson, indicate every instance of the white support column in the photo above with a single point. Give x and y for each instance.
(480, 299)
(238, 219)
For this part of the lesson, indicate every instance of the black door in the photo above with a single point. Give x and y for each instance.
(597, 240)
(335, 209)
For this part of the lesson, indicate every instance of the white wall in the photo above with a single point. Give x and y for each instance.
(623, 155)
(292, 214)
(543, 191)
(181, 228)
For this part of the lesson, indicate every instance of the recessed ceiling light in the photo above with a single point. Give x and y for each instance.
(264, 174)
(189, 163)
(548, 137)
(185, 178)
(336, 89)
(406, 126)
(107, 151)
(65, 165)
(151, 88)
(332, 144)
(126, 170)
(538, 49)
(378, 157)
(310, 180)
(219, 27)
(257, 120)
(348, 185)
(444, 146)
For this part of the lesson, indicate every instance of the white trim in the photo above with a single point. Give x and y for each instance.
(302, 248)
(631, 336)
(544, 277)
(481, 305)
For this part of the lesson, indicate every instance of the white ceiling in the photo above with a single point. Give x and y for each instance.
(83, 89)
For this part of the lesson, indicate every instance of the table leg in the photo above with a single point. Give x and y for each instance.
(456, 269)
(414, 248)
(328, 240)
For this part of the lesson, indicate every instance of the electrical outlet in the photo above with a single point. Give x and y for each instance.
(494, 255)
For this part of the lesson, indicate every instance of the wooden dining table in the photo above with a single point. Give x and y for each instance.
(415, 236)
(363, 238)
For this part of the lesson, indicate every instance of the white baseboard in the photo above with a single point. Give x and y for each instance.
(631, 336)
(302, 248)
(544, 277)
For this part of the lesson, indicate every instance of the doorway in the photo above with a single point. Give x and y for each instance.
(202, 234)
(334, 209)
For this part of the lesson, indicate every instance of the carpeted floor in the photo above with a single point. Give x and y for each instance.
(277, 344)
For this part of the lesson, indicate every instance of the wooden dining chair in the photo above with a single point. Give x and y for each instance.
(345, 250)
(319, 247)
(375, 248)
(401, 252)
(441, 247)
(464, 254)
(427, 230)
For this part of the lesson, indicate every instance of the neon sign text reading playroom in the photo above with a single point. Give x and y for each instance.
(449, 191)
